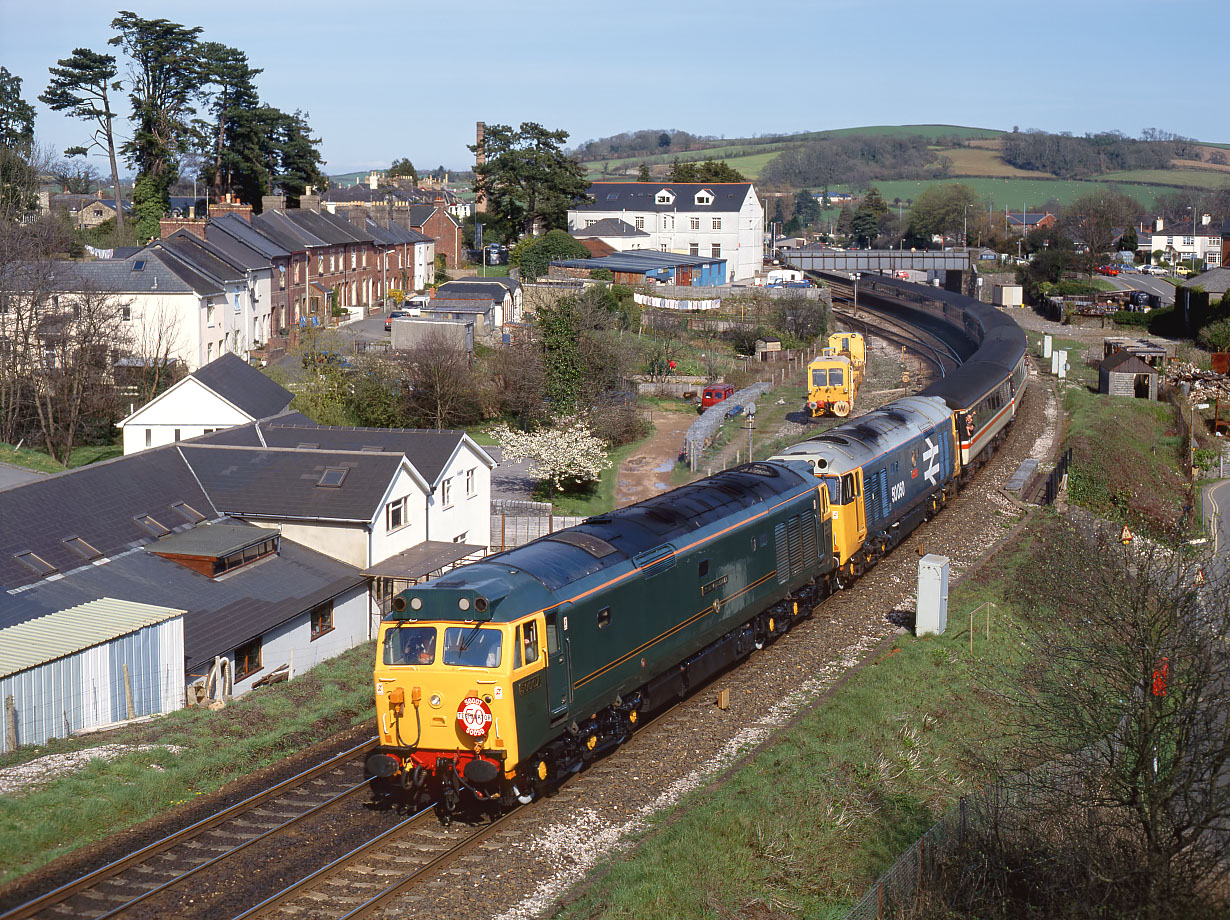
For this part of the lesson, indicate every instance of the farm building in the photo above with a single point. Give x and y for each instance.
(1124, 374)
(89, 665)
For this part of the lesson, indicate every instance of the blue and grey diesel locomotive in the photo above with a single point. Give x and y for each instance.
(511, 673)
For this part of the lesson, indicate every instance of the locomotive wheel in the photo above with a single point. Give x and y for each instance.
(841, 408)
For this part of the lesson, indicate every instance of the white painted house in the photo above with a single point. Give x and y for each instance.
(1182, 242)
(226, 393)
(723, 220)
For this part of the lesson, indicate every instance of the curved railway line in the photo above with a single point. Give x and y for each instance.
(217, 857)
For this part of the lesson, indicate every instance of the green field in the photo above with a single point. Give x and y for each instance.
(1183, 178)
(1011, 193)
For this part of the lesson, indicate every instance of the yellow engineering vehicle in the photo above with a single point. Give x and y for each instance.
(833, 378)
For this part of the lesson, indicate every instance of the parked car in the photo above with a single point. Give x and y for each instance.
(396, 314)
(714, 394)
(1125, 269)
(1153, 270)
(1107, 270)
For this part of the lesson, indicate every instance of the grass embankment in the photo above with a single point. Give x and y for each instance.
(812, 820)
(43, 463)
(103, 797)
(1127, 454)
(602, 497)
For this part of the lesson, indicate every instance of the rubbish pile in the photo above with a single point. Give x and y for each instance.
(1200, 385)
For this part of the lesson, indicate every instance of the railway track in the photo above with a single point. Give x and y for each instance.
(929, 348)
(151, 880)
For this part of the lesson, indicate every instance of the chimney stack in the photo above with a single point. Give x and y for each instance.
(309, 202)
(273, 203)
(169, 225)
(230, 206)
(1158, 225)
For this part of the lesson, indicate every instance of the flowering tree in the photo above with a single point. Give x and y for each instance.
(565, 455)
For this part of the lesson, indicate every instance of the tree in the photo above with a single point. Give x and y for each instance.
(1094, 218)
(806, 208)
(643, 174)
(1123, 695)
(708, 171)
(443, 387)
(864, 225)
(228, 89)
(526, 177)
(81, 85)
(16, 115)
(533, 254)
(404, 167)
(1129, 242)
(566, 455)
(76, 178)
(18, 169)
(664, 140)
(941, 210)
(779, 216)
(163, 80)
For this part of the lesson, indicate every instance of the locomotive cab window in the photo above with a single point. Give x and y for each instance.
(410, 645)
(833, 484)
(529, 642)
(473, 646)
(604, 617)
(849, 489)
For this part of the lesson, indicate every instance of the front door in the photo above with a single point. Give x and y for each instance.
(559, 680)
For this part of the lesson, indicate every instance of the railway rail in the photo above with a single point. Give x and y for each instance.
(153, 873)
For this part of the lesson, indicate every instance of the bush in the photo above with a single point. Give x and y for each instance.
(1128, 318)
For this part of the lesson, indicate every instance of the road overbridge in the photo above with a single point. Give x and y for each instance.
(954, 264)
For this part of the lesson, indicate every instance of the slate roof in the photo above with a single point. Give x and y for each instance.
(100, 504)
(1124, 362)
(478, 287)
(282, 483)
(323, 225)
(234, 227)
(459, 305)
(394, 234)
(1215, 280)
(421, 213)
(285, 232)
(221, 613)
(427, 450)
(244, 386)
(608, 226)
(1183, 230)
(202, 257)
(118, 276)
(641, 196)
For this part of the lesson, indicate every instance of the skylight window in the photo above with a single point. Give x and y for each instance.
(308, 446)
(36, 563)
(152, 525)
(187, 512)
(82, 549)
(139, 265)
(332, 477)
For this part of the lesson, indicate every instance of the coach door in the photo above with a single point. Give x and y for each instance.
(559, 680)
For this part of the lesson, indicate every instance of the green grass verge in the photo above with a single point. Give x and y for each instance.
(104, 797)
(810, 822)
(1183, 178)
(37, 460)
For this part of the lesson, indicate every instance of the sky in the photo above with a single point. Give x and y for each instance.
(384, 80)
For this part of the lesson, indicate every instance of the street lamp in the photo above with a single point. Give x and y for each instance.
(857, 275)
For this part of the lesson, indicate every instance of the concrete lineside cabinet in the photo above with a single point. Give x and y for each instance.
(931, 611)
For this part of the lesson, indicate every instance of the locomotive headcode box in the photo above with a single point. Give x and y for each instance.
(931, 610)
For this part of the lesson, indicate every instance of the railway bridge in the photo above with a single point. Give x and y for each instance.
(955, 265)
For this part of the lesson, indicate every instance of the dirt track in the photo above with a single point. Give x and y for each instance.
(648, 471)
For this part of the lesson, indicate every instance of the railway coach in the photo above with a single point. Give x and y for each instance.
(512, 672)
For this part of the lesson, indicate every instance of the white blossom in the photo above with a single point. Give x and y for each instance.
(565, 453)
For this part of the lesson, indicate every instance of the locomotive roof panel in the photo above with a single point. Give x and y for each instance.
(858, 441)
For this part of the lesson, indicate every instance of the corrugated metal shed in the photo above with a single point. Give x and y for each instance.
(90, 665)
(62, 633)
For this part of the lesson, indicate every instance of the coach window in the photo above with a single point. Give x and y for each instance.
(604, 617)
(703, 569)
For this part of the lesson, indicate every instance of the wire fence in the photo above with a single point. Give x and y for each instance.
(701, 432)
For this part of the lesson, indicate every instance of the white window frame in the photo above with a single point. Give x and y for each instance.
(471, 489)
(639, 223)
(695, 223)
(716, 251)
(717, 223)
(396, 509)
(446, 493)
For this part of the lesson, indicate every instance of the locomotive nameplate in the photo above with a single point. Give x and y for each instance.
(531, 683)
(713, 585)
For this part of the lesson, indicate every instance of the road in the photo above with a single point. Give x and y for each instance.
(1216, 498)
(1133, 282)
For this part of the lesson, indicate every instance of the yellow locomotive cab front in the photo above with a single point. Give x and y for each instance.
(445, 703)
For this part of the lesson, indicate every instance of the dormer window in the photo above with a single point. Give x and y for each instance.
(215, 549)
(665, 196)
(704, 196)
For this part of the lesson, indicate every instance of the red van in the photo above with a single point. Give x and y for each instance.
(714, 394)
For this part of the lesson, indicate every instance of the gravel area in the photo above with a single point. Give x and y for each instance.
(52, 766)
(604, 810)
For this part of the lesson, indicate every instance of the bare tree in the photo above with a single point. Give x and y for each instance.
(443, 395)
(1122, 703)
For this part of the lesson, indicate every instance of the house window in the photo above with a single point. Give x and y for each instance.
(354, 259)
(703, 198)
(395, 514)
(282, 277)
(365, 258)
(693, 249)
(209, 352)
(461, 537)
(149, 437)
(320, 264)
(176, 434)
(126, 313)
(470, 487)
(590, 223)
(664, 198)
(209, 314)
(322, 620)
(717, 223)
(695, 223)
(662, 247)
(446, 492)
(332, 262)
(248, 658)
(640, 223)
(717, 250)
